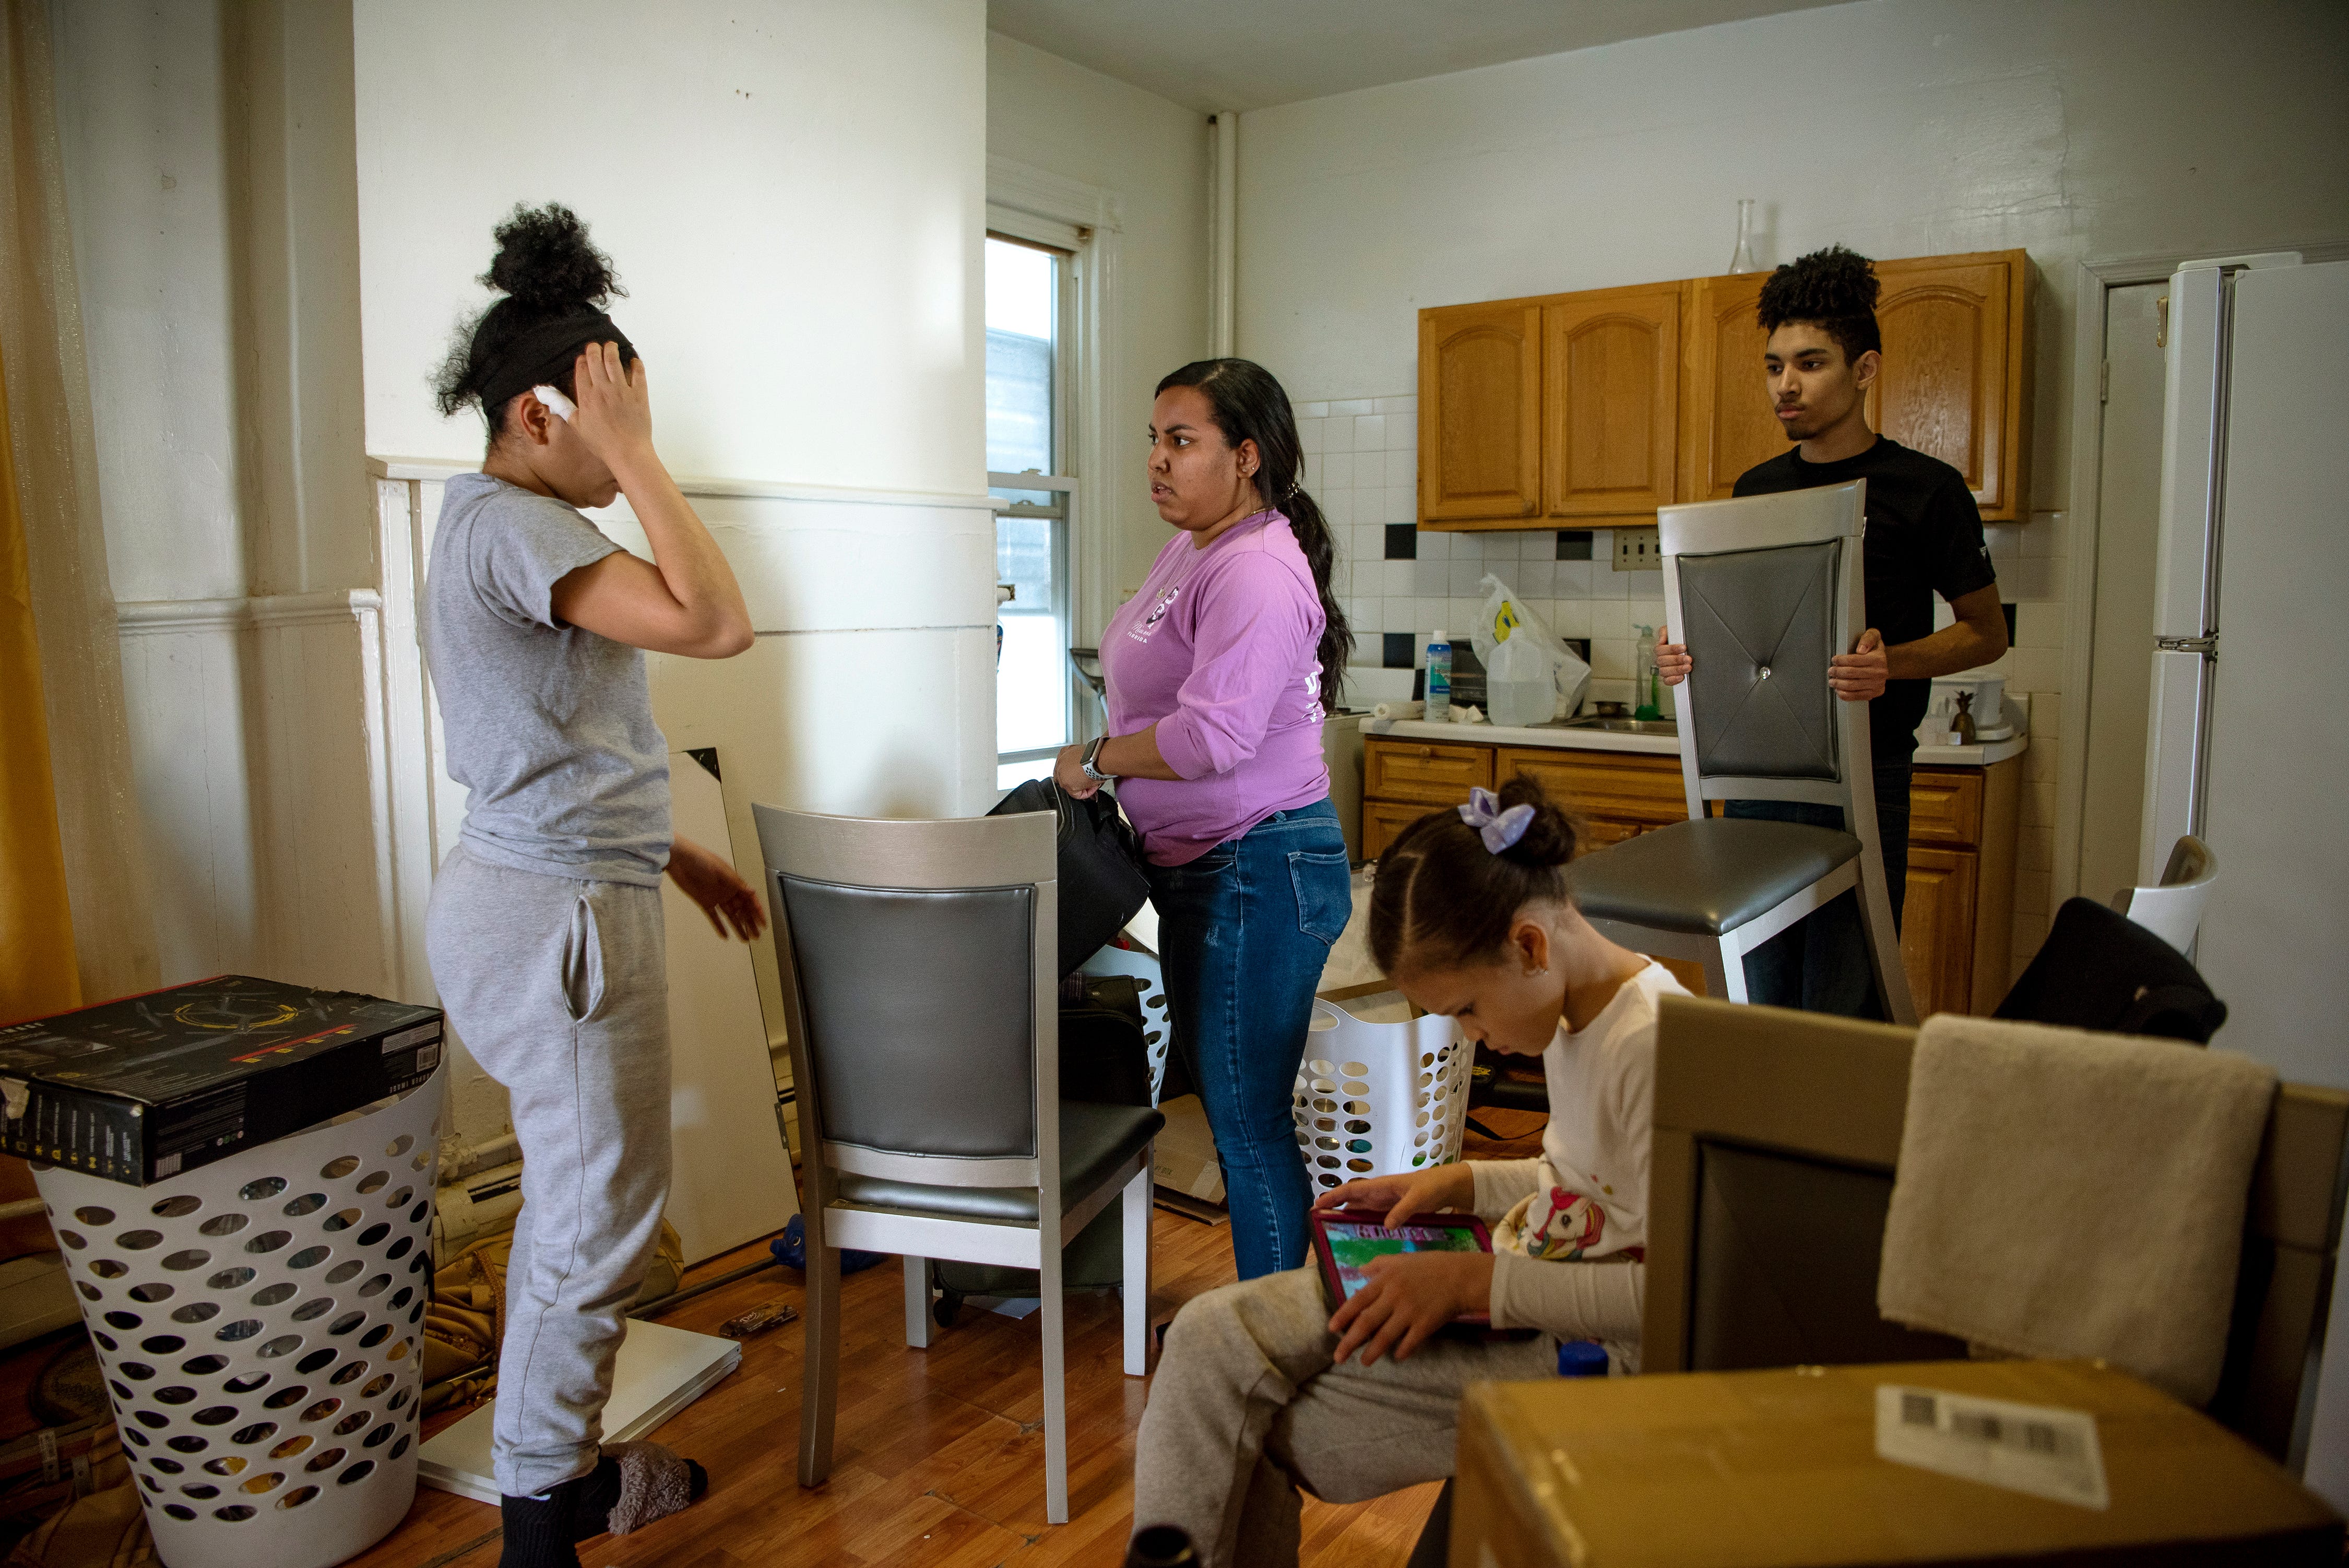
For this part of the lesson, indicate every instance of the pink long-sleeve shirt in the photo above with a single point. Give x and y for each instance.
(1219, 651)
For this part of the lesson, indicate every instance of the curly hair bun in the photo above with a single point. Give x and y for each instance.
(546, 261)
(1549, 840)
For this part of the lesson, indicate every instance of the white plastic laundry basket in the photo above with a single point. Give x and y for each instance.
(1379, 1099)
(257, 1322)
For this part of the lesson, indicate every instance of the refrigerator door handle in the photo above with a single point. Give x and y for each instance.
(2206, 646)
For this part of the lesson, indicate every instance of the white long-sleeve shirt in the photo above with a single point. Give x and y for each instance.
(1570, 1262)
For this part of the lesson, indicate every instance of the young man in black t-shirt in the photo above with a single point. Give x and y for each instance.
(1924, 537)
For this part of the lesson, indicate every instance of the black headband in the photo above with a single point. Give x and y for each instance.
(545, 351)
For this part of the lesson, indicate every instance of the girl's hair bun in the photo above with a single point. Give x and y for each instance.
(546, 262)
(1549, 839)
(1441, 897)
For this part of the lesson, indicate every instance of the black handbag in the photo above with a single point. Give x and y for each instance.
(2100, 970)
(1103, 884)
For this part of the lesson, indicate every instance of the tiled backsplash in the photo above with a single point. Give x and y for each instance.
(1361, 464)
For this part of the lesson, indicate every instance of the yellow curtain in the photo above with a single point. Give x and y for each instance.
(57, 542)
(38, 972)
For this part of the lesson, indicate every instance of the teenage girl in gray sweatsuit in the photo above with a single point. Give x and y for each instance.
(545, 926)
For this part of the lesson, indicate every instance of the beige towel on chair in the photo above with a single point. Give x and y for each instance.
(2073, 1194)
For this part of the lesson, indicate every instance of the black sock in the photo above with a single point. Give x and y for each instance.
(596, 1492)
(538, 1530)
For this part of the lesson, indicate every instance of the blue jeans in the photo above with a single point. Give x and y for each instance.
(1820, 964)
(1243, 933)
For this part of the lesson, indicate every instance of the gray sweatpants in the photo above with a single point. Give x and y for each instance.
(560, 990)
(1247, 1407)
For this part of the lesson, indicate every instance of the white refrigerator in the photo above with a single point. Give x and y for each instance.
(2249, 745)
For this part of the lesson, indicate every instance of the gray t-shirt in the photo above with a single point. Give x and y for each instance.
(549, 726)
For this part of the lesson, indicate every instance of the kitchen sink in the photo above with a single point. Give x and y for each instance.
(1617, 726)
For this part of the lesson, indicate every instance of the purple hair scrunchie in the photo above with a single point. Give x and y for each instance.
(1498, 829)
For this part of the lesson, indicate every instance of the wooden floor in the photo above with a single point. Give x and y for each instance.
(940, 1454)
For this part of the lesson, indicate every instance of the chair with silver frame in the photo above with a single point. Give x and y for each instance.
(920, 985)
(1763, 591)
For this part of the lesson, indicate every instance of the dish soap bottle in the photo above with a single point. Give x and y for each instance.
(1644, 684)
(1962, 728)
(1439, 679)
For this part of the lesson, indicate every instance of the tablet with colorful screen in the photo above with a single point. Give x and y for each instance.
(1346, 1240)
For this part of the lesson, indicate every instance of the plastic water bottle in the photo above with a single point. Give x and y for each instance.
(1439, 679)
(1581, 1358)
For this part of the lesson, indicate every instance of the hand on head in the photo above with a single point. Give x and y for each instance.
(615, 414)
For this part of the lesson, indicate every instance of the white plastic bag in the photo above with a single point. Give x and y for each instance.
(1523, 658)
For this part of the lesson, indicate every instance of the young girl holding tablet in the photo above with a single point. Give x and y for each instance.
(1262, 1388)
(545, 933)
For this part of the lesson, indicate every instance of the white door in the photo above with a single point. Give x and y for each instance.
(2128, 512)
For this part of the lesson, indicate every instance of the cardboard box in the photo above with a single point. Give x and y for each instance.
(141, 1089)
(1780, 1470)
(1184, 1158)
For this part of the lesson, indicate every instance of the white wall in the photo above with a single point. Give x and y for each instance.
(791, 192)
(2095, 127)
(1152, 154)
(2091, 129)
(794, 199)
(207, 155)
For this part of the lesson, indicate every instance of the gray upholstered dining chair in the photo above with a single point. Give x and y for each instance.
(919, 981)
(1762, 591)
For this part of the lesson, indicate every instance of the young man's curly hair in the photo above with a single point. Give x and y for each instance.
(1834, 290)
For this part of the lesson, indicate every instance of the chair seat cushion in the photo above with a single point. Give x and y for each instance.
(1708, 875)
(1095, 1139)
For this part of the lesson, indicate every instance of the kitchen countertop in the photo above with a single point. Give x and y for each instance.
(1977, 756)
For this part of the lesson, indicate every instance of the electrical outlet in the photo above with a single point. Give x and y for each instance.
(1638, 549)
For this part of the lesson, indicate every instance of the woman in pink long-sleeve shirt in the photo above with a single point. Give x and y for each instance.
(1219, 671)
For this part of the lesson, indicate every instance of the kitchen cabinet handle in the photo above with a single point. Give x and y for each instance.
(1426, 751)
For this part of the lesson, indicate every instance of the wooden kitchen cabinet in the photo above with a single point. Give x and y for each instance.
(1480, 412)
(1729, 424)
(1956, 380)
(1651, 395)
(1937, 936)
(1610, 400)
(1958, 919)
(1613, 795)
(1957, 925)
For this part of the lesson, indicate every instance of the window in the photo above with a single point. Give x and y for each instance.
(1027, 437)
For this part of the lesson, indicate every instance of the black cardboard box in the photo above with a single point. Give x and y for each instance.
(145, 1088)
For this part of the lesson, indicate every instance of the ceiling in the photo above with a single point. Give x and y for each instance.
(1214, 54)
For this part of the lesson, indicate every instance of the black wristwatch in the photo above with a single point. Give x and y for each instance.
(1093, 752)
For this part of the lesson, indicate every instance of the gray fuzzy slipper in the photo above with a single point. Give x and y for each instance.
(654, 1482)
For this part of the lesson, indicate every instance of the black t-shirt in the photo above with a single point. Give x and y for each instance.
(1924, 537)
